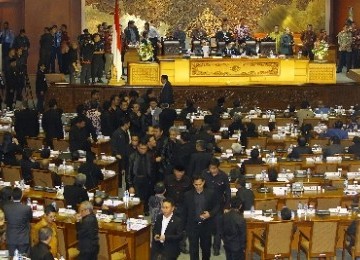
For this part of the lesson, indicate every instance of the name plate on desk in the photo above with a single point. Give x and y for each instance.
(234, 68)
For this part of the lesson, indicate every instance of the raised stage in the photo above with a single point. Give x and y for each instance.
(219, 71)
(279, 96)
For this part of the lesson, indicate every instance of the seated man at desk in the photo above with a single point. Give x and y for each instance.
(336, 131)
(254, 159)
(334, 148)
(92, 171)
(224, 35)
(245, 50)
(246, 196)
(78, 136)
(76, 193)
(230, 50)
(300, 149)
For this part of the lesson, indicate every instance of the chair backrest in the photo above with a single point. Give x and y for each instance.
(354, 167)
(61, 234)
(292, 167)
(311, 121)
(284, 121)
(11, 174)
(323, 142)
(59, 203)
(60, 145)
(34, 142)
(325, 167)
(42, 178)
(226, 143)
(104, 250)
(266, 204)
(326, 203)
(255, 168)
(67, 179)
(256, 141)
(319, 231)
(292, 203)
(278, 239)
(346, 142)
(260, 121)
(357, 241)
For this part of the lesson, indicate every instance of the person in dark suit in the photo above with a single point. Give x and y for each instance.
(105, 119)
(167, 117)
(167, 233)
(246, 196)
(41, 87)
(199, 160)
(166, 93)
(249, 130)
(26, 123)
(300, 149)
(8, 150)
(18, 217)
(27, 163)
(230, 49)
(87, 232)
(234, 231)
(200, 206)
(51, 123)
(355, 148)
(92, 171)
(185, 149)
(120, 145)
(75, 194)
(254, 159)
(334, 148)
(41, 251)
(78, 137)
(131, 32)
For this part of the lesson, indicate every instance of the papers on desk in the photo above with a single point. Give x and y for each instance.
(108, 173)
(37, 213)
(249, 214)
(332, 175)
(335, 159)
(351, 135)
(137, 224)
(353, 187)
(233, 190)
(64, 211)
(113, 203)
(353, 175)
(108, 158)
(287, 176)
(280, 191)
(263, 218)
(312, 188)
(338, 210)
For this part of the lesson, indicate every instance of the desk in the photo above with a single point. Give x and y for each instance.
(218, 71)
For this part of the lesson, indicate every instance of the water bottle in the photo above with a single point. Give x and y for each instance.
(308, 174)
(128, 225)
(346, 183)
(271, 53)
(28, 202)
(16, 254)
(300, 206)
(299, 54)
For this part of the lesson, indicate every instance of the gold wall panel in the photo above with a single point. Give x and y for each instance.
(322, 73)
(144, 73)
(234, 68)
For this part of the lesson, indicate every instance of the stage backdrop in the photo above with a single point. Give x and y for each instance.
(260, 15)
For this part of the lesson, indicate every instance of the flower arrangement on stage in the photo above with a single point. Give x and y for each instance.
(321, 49)
(146, 50)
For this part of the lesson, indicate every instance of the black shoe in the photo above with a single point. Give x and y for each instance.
(184, 251)
(216, 252)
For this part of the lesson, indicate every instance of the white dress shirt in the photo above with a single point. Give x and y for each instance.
(165, 223)
(153, 33)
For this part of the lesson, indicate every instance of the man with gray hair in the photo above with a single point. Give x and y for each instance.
(87, 232)
(41, 251)
(76, 193)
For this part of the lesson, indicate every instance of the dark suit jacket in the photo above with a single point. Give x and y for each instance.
(93, 174)
(26, 124)
(170, 249)
(74, 195)
(41, 251)
(299, 150)
(52, 125)
(234, 231)
(166, 94)
(167, 118)
(198, 162)
(250, 161)
(78, 139)
(87, 234)
(18, 217)
(211, 205)
(246, 196)
(128, 34)
(355, 149)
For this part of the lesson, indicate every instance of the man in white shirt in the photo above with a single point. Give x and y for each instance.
(168, 232)
(154, 37)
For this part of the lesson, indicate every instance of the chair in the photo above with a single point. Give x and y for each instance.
(255, 168)
(34, 142)
(42, 178)
(325, 167)
(314, 244)
(292, 203)
(256, 141)
(67, 179)
(323, 142)
(226, 143)
(11, 173)
(312, 121)
(353, 250)
(346, 142)
(60, 145)
(260, 121)
(284, 121)
(266, 204)
(68, 250)
(354, 167)
(326, 203)
(276, 243)
(120, 252)
(292, 167)
(59, 203)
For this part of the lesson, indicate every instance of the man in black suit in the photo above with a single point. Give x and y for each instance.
(167, 117)
(120, 145)
(254, 159)
(75, 194)
(234, 232)
(87, 232)
(41, 251)
(91, 170)
(355, 148)
(167, 233)
(166, 93)
(132, 35)
(300, 149)
(246, 196)
(26, 123)
(52, 124)
(200, 206)
(199, 160)
(18, 217)
(78, 136)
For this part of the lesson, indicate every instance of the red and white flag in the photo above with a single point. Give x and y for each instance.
(116, 41)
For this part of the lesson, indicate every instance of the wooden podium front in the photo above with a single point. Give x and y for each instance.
(131, 55)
